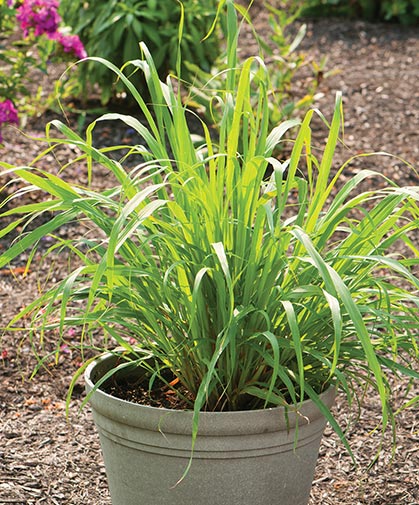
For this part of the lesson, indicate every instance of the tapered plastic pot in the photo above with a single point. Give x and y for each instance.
(240, 458)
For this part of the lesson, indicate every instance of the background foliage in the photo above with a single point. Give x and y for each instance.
(113, 29)
(403, 11)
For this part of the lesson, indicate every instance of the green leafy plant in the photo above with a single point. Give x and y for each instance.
(249, 293)
(113, 29)
(6, 16)
(406, 11)
(402, 11)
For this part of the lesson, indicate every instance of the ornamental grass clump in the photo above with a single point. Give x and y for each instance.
(245, 290)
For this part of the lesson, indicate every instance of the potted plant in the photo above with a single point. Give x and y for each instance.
(239, 292)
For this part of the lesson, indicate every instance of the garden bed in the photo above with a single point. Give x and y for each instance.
(45, 458)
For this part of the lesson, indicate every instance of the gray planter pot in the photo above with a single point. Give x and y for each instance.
(240, 458)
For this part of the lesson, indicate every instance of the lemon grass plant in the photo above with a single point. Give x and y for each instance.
(251, 291)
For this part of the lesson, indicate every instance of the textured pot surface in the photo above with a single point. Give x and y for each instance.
(240, 458)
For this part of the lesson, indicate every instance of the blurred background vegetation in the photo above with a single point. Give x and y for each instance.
(399, 11)
(112, 29)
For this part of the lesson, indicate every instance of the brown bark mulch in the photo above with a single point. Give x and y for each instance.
(47, 458)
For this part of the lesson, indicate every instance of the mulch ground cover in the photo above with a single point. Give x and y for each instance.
(48, 458)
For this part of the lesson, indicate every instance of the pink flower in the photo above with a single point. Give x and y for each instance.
(71, 332)
(65, 349)
(71, 44)
(42, 15)
(8, 114)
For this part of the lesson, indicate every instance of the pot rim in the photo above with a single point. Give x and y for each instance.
(132, 413)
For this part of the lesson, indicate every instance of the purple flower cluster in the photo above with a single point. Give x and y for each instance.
(37, 18)
(41, 15)
(71, 44)
(8, 114)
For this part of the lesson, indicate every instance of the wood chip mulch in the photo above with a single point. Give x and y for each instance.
(46, 458)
